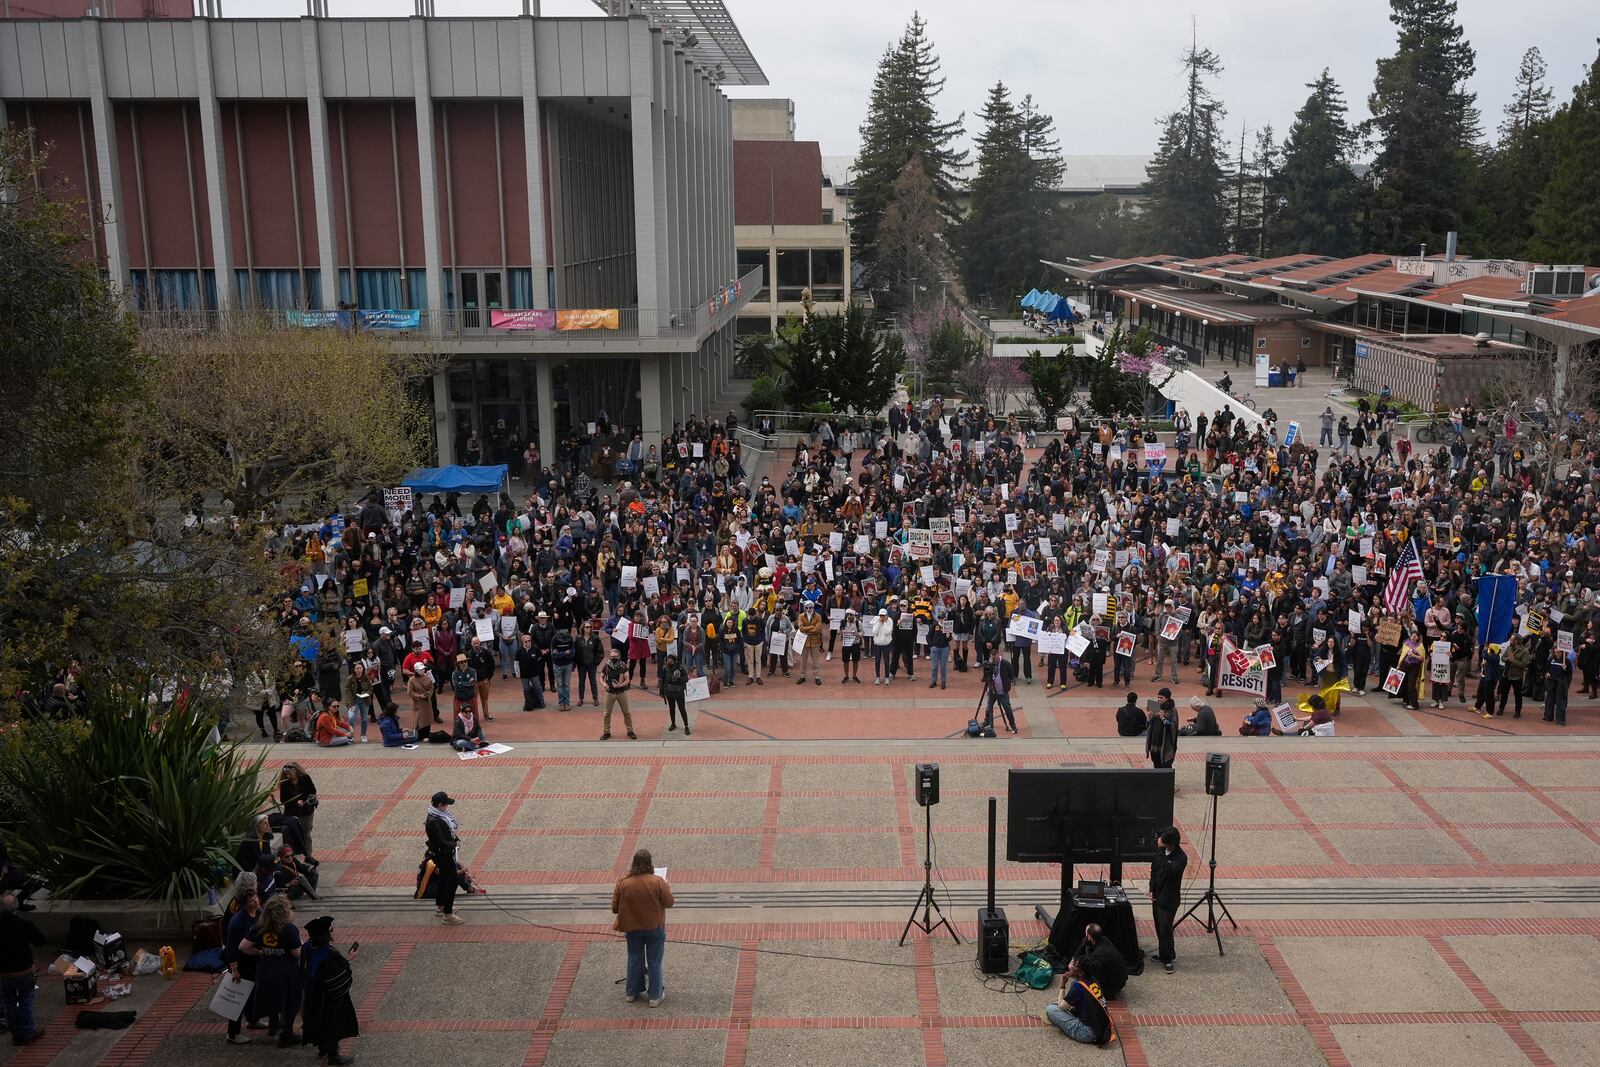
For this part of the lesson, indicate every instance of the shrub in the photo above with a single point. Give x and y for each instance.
(134, 803)
(766, 394)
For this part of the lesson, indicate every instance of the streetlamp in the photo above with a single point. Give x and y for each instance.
(1205, 338)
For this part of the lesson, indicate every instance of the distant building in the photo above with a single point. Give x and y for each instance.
(1434, 330)
(1122, 176)
(547, 201)
(786, 219)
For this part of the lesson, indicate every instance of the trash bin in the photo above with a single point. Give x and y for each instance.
(1275, 380)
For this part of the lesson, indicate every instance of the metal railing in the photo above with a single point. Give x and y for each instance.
(632, 323)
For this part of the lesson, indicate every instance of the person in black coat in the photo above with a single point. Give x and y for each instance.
(1131, 719)
(1161, 744)
(1103, 961)
(444, 839)
(329, 1012)
(674, 681)
(1166, 888)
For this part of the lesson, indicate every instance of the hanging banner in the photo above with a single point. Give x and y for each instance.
(587, 319)
(391, 319)
(523, 319)
(315, 320)
(1236, 675)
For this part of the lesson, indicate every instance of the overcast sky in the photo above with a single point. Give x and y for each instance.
(1105, 69)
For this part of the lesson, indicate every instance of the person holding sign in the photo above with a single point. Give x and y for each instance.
(810, 629)
(481, 659)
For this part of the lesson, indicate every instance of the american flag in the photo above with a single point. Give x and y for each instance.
(1407, 569)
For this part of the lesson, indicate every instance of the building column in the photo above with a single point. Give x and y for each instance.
(650, 397)
(644, 64)
(545, 403)
(428, 175)
(533, 154)
(105, 155)
(321, 165)
(444, 431)
(216, 181)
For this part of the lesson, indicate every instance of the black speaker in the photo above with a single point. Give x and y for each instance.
(994, 941)
(1217, 774)
(927, 784)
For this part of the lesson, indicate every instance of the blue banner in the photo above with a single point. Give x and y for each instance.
(1497, 608)
(391, 319)
(313, 320)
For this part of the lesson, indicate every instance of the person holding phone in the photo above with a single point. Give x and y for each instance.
(329, 1011)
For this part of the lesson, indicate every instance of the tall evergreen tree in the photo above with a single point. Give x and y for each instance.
(1566, 226)
(1012, 216)
(1187, 212)
(1426, 126)
(1255, 206)
(913, 260)
(1516, 169)
(902, 123)
(1318, 194)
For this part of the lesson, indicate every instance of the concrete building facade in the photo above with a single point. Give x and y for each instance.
(547, 201)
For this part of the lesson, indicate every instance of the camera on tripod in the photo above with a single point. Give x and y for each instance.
(976, 727)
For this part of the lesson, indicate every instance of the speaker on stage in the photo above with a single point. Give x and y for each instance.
(1217, 774)
(927, 784)
(994, 933)
(994, 941)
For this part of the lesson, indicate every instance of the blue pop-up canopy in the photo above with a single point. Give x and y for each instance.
(456, 479)
(1032, 297)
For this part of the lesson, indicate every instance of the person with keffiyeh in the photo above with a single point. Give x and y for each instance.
(444, 843)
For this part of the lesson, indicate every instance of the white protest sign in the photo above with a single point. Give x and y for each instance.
(697, 689)
(483, 629)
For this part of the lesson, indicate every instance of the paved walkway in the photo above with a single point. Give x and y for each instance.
(1402, 900)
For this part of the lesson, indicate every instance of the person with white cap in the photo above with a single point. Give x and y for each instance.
(882, 647)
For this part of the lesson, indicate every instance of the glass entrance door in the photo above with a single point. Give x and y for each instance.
(481, 291)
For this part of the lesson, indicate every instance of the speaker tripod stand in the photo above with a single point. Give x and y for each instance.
(925, 899)
(1211, 898)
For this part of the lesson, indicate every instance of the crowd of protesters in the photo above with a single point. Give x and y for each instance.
(918, 542)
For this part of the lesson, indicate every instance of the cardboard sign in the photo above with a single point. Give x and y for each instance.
(483, 629)
(1236, 674)
(697, 689)
(1393, 681)
(1023, 627)
(1052, 644)
(1283, 715)
(1389, 632)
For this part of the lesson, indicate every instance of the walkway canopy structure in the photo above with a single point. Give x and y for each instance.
(456, 479)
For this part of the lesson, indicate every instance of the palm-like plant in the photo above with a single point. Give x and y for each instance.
(138, 802)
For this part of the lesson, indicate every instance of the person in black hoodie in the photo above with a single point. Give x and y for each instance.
(1131, 719)
(562, 655)
(1166, 887)
(674, 680)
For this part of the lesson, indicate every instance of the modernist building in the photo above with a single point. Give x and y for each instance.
(547, 201)
(781, 222)
(1435, 330)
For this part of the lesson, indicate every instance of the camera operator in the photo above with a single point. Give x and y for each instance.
(999, 678)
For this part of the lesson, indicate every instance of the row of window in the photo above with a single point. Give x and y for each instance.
(291, 290)
(797, 269)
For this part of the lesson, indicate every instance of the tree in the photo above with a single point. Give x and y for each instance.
(118, 447)
(862, 363)
(1098, 226)
(1012, 218)
(1318, 193)
(264, 413)
(1566, 225)
(800, 357)
(902, 124)
(1186, 212)
(913, 262)
(1052, 380)
(1255, 208)
(1516, 169)
(1426, 127)
(1119, 374)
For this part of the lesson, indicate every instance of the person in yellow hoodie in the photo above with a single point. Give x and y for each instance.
(810, 625)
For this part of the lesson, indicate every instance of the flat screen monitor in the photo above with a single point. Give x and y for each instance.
(1086, 814)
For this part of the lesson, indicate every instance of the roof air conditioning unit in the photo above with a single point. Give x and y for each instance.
(1557, 281)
